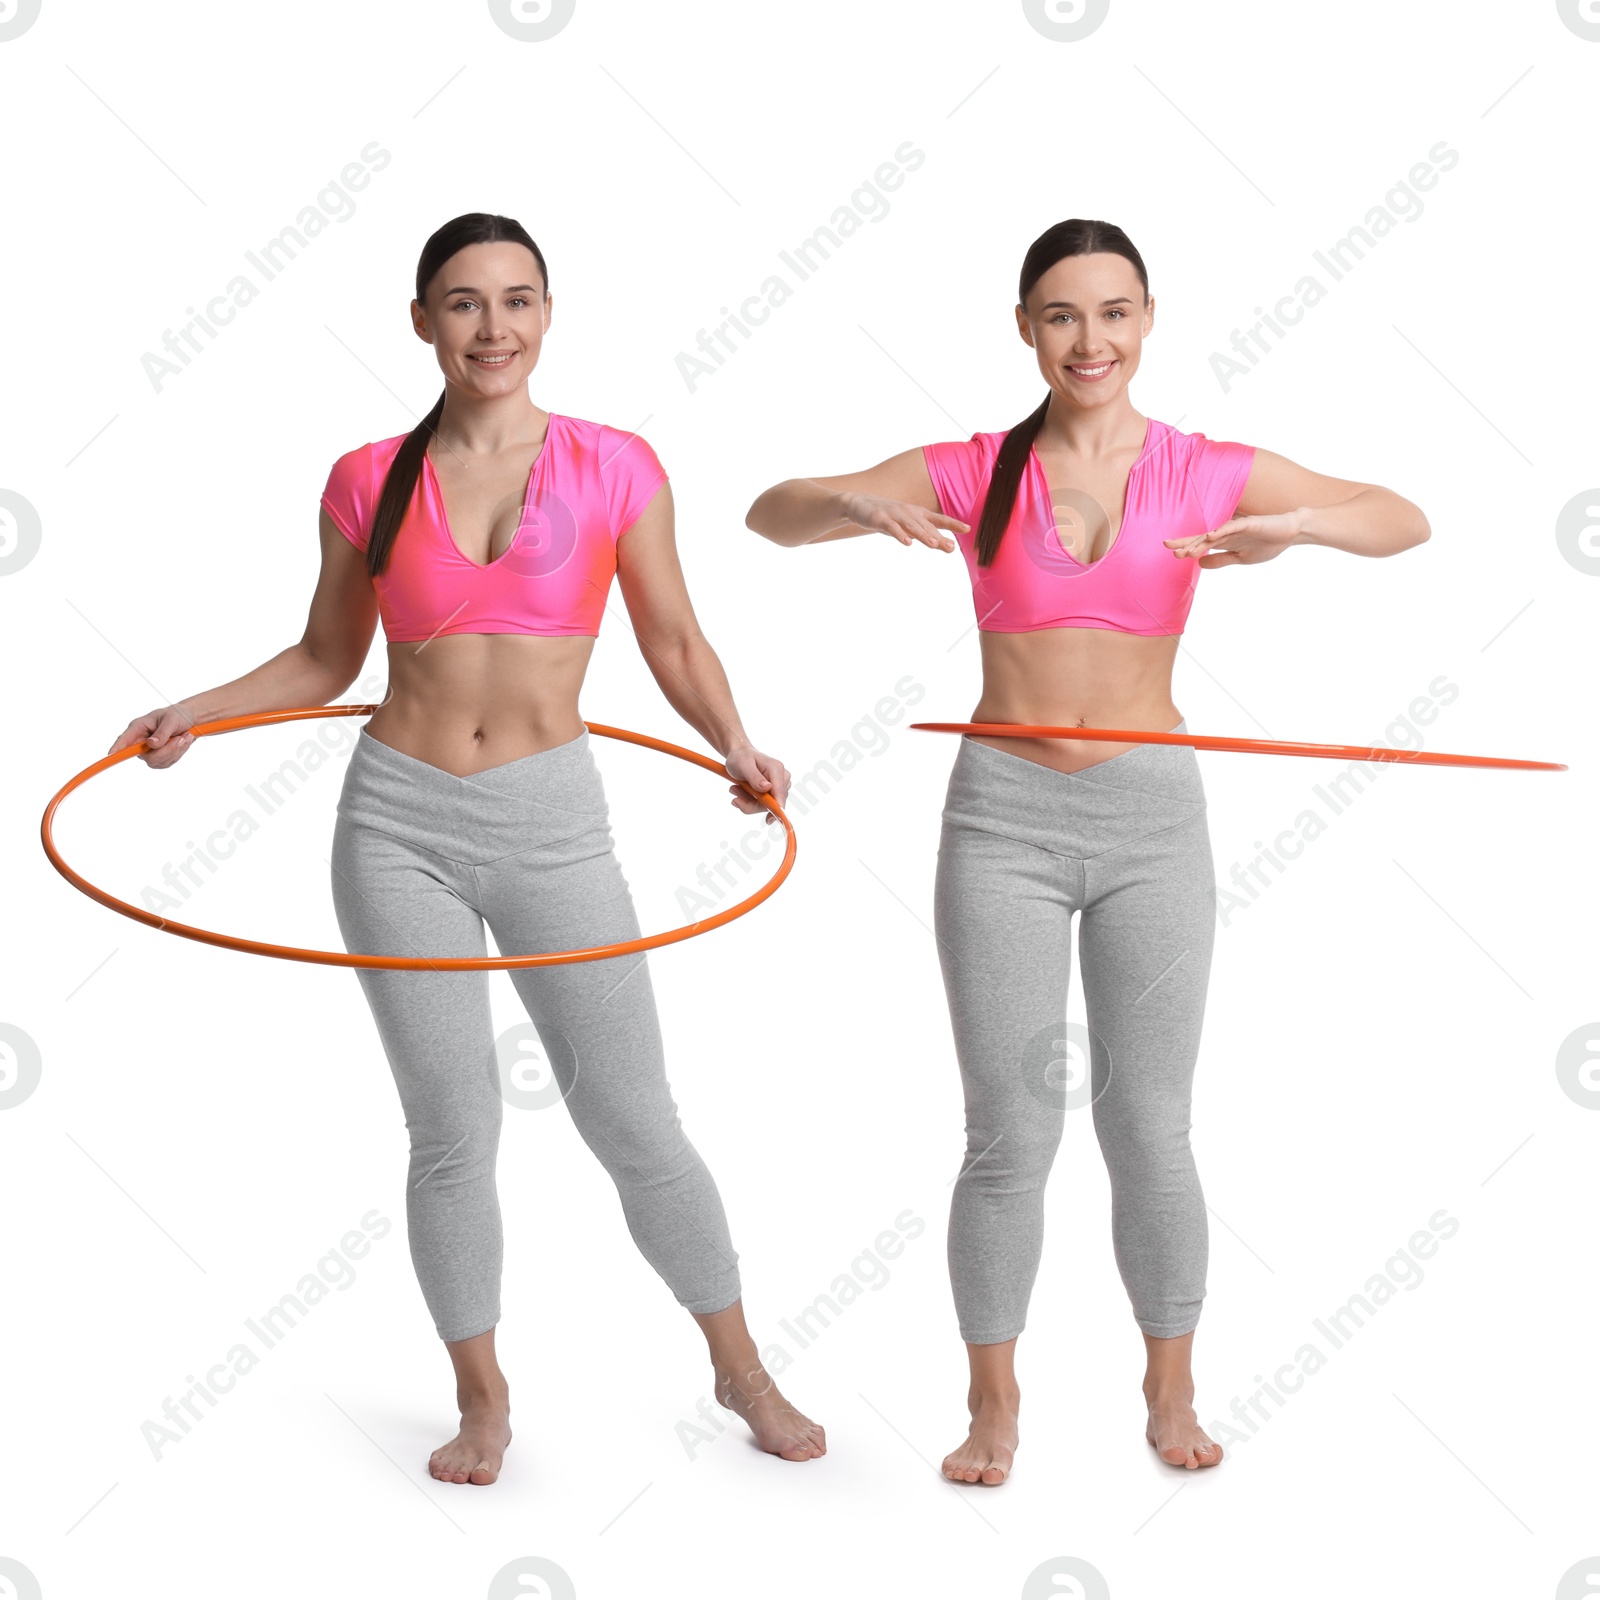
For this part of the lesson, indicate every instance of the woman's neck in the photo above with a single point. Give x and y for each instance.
(473, 426)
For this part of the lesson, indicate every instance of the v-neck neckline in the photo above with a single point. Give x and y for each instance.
(527, 490)
(1116, 539)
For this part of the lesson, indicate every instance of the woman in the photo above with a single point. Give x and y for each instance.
(1092, 522)
(487, 537)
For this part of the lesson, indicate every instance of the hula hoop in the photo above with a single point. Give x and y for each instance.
(1261, 747)
(334, 958)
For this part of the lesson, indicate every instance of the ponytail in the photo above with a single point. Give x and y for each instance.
(1003, 482)
(398, 488)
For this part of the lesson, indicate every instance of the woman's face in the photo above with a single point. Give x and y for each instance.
(485, 315)
(1086, 319)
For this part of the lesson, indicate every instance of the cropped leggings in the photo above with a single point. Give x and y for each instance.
(421, 860)
(1023, 846)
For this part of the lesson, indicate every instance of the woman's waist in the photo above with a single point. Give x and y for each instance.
(537, 800)
(1146, 708)
(467, 746)
(471, 710)
(1116, 792)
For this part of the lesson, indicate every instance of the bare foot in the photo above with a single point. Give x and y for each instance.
(777, 1426)
(1175, 1431)
(475, 1454)
(985, 1455)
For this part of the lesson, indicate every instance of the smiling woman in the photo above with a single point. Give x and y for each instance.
(1084, 529)
(487, 539)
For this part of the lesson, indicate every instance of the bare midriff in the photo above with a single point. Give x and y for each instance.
(465, 702)
(1076, 677)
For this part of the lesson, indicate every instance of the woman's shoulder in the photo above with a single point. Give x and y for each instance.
(376, 453)
(981, 444)
(383, 451)
(1188, 445)
(627, 468)
(601, 438)
(1212, 471)
(971, 458)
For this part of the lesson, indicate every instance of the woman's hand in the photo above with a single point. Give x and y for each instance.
(900, 520)
(765, 774)
(1245, 540)
(167, 730)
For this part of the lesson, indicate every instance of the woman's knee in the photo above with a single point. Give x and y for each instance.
(454, 1150)
(1014, 1155)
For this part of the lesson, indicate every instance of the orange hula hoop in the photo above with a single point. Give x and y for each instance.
(334, 958)
(1263, 747)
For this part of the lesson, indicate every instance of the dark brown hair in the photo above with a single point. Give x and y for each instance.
(475, 227)
(1077, 236)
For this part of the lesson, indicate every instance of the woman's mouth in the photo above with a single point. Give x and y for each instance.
(1091, 374)
(492, 358)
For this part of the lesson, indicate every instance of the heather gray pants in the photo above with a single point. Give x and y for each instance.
(1023, 846)
(421, 861)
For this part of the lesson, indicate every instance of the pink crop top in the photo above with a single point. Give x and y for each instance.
(1181, 484)
(586, 489)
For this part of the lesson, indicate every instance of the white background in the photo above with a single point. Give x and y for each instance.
(1384, 1020)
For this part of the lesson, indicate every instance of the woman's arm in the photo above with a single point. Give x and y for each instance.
(338, 632)
(680, 657)
(1284, 504)
(895, 497)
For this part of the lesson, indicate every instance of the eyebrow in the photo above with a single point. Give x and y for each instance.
(512, 290)
(1121, 300)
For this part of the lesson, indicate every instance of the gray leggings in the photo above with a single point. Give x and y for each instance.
(421, 860)
(1023, 846)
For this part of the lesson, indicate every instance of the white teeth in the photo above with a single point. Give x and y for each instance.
(1092, 372)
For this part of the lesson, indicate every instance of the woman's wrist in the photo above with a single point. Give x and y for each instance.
(840, 510)
(197, 708)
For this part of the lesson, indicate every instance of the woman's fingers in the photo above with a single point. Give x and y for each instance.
(167, 753)
(750, 807)
(910, 532)
(1204, 545)
(168, 737)
(915, 525)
